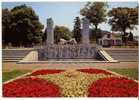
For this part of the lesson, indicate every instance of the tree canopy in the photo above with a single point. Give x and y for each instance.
(123, 18)
(6, 21)
(24, 24)
(59, 32)
(95, 12)
(77, 29)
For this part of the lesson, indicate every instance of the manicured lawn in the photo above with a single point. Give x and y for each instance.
(132, 72)
(12, 74)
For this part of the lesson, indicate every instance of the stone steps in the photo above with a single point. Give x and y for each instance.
(124, 55)
(13, 55)
(10, 60)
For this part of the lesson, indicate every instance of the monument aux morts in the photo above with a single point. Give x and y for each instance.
(85, 50)
(50, 31)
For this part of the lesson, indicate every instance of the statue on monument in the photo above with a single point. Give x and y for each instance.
(67, 49)
(50, 22)
(85, 31)
(50, 31)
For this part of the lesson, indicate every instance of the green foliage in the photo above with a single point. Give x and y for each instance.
(61, 32)
(12, 74)
(95, 12)
(6, 21)
(122, 19)
(131, 72)
(25, 27)
(95, 34)
(77, 29)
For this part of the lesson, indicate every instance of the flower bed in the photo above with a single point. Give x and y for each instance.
(44, 72)
(71, 83)
(31, 87)
(95, 71)
(113, 87)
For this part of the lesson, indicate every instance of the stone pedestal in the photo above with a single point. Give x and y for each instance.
(50, 31)
(67, 52)
(85, 31)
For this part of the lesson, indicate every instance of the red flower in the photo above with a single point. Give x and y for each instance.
(44, 72)
(95, 71)
(113, 87)
(31, 87)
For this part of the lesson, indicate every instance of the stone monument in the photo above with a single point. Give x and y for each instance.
(85, 31)
(67, 51)
(50, 31)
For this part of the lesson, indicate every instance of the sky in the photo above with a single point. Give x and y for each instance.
(64, 13)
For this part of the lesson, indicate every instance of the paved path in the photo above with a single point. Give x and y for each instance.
(12, 65)
(7, 66)
(123, 54)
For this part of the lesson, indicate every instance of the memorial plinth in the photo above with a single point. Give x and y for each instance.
(85, 31)
(53, 51)
(50, 32)
(67, 52)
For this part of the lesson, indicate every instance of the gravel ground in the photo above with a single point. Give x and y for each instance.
(8, 66)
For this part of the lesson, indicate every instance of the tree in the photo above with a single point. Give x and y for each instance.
(130, 38)
(61, 32)
(45, 35)
(77, 29)
(95, 12)
(122, 19)
(6, 21)
(94, 36)
(25, 27)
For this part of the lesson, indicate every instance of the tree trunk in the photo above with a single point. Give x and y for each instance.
(96, 27)
(124, 38)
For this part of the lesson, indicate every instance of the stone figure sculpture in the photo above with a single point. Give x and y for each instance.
(85, 31)
(50, 31)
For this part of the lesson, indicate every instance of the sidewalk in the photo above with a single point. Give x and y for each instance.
(12, 66)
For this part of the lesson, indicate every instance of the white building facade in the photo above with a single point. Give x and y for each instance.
(110, 40)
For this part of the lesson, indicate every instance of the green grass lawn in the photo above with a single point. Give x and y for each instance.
(12, 74)
(131, 72)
